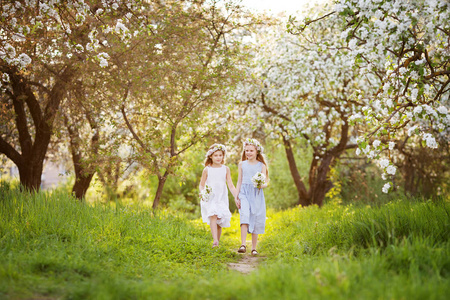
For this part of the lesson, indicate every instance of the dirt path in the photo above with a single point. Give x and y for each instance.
(247, 264)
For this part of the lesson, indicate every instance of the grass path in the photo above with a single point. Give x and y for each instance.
(247, 264)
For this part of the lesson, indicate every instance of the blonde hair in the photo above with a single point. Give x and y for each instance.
(208, 160)
(259, 157)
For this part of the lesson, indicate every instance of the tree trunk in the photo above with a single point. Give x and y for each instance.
(83, 174)
(303, 198)
(81, 185)
(321, 184)
(161, 182)
(31, 159)
(30, 175)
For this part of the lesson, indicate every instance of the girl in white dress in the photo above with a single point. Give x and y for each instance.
(215, 211)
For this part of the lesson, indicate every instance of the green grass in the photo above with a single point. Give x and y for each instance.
(54, 247)
(399, 251)
(51, 244)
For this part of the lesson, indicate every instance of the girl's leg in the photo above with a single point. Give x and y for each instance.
(219, 232)
(254, 240)
(244, 229)
(213, 225)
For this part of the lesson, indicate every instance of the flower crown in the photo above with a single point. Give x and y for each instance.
(217, 148)
(255, 143)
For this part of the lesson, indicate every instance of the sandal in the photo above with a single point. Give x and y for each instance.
(254, 252)
(242, 249)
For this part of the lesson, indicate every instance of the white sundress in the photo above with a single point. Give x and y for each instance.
(218, 202)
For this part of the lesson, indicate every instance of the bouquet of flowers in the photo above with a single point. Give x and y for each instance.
(205, 194)
(258, 180)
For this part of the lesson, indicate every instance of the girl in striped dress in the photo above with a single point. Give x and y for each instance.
(250, 200)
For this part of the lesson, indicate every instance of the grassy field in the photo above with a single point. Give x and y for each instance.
(53, 247)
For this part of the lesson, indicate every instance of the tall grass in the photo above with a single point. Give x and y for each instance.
(399, 251)
(52, 246)
(314, 230)
(49, 240)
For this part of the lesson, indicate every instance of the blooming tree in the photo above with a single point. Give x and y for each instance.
(413, 38)
(94, 139)
(43, 45)
(178, 64)
(304, 92)
(90, 139)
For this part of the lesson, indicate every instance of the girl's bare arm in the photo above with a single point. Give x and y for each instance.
(203, 179)
(264, 171)
(230, 184)
(238, 186)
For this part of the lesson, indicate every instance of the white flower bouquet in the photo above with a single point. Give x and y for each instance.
(206, 193)
(258, 180)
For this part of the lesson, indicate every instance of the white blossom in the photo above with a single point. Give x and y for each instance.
(10, 51)
(79, 48)
(352, 43)
(120, 27)
(411, 130)
(430, 140)
(376, 143)
(414, 93)
(384, 163)
(386, 187)
(442, 110)
(419, 62)
(103, 57)
(24, 60)
(391, 170)
(80, 18)
(417, 110)
(5, 77)
(367, 149)
(44, 7)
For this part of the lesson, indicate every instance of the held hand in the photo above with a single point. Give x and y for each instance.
(238, 202)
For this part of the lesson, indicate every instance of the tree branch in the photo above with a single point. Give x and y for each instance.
(300, 29)
(133, 133)
(10, 152)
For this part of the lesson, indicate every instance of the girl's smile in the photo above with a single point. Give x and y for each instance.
(217, 158)
(250, 152)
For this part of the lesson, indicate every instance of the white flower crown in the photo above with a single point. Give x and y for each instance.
(255, 143)
(216, 148)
